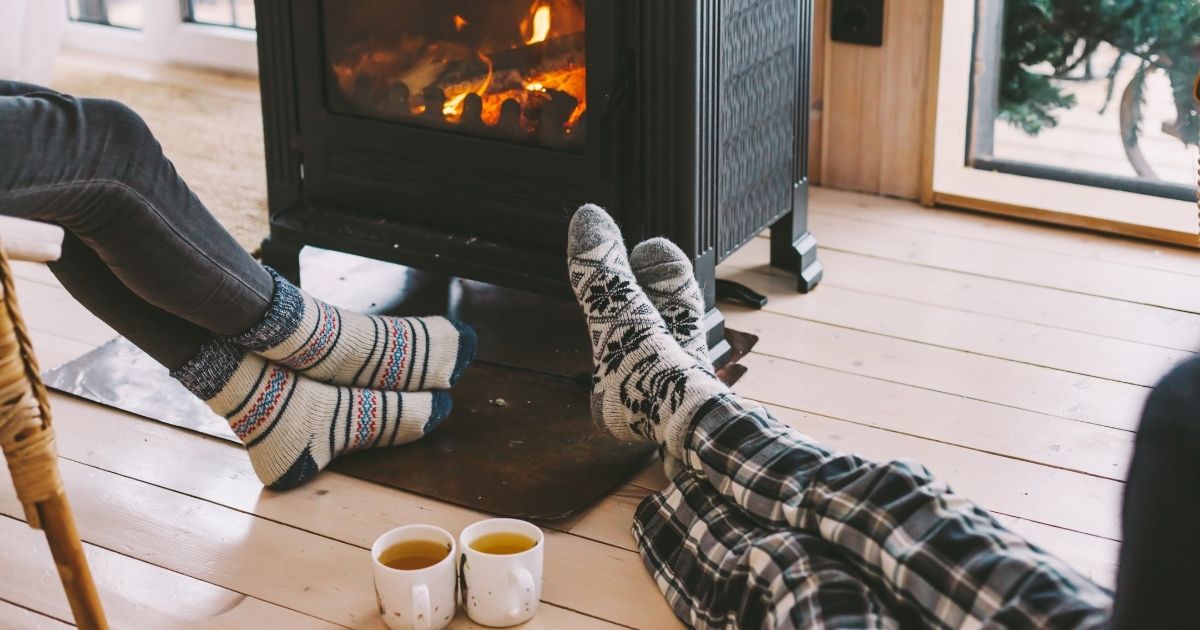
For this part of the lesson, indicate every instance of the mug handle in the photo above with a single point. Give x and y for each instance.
(524, 583)
(421, 616)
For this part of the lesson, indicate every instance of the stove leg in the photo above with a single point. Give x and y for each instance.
(714, 322)
(793, 247)
(282, 256)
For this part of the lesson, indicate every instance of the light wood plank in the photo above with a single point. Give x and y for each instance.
(1099, 316)
(14, 617)
(318, 576)
(1070, 351)
(52, 309)
(1096, 558)
(944, 418)
(1051, 495)
(997, 260)
(581, 574)
(1117, 406)
(1083, 511)
(35, 272)
(1009, 383)
(1076, 243)
(135, 594)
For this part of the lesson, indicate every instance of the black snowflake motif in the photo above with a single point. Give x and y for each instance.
(606, 293)
(680, 321)
(646, 391)
(616, 351)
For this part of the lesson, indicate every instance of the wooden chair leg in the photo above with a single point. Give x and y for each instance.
(73, 570)
(27, 439)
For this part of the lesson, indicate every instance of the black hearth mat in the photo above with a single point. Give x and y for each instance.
(519, 441)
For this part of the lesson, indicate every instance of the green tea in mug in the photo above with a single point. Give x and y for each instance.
(411, 555)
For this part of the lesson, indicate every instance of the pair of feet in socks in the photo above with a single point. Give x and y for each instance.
(645, 321)
(311, 382)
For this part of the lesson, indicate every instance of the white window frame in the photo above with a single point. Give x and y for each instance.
(954, 183)
(167, 38)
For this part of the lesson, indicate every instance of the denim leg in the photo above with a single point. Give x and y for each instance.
(1160, 558)
(168, 339)
(93, 167)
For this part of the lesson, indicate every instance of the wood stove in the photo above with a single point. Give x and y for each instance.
(457, 136)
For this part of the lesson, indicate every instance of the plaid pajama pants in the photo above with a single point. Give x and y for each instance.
(767, 529)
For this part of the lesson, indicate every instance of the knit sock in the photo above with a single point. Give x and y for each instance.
(667, 277)
(645, 385)
(331, 345)
(294, 426)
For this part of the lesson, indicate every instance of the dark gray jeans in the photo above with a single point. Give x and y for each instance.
(141, 251)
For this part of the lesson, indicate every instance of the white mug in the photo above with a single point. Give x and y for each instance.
(418, 599)
(501, 590)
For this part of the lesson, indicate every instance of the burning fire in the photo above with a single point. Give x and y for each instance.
(538, 24)
(544, 71)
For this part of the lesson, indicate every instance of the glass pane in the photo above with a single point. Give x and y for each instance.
(237, 13)
(1096, 93)
(514, 70)
(123, 13)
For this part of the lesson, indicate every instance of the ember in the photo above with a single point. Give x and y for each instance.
(510, 69)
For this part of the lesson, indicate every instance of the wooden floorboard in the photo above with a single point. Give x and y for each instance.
(1076, 243)
(1011, 360)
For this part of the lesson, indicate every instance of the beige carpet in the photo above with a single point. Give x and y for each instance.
(212, 131)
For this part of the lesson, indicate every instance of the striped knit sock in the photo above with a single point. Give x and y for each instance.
(331, 345)
(645, 384)
(666, 274)
(294, 426)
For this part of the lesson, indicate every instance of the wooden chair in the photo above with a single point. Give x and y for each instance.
(25, 432)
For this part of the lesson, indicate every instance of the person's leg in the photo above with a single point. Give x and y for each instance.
(93, 166)
(719, 569)
(943, 557)
(1160, 558)
(168, 339)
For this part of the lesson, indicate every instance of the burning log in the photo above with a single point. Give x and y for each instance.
(552, 122)
(435, 102)
(510, 119)
(472, 114)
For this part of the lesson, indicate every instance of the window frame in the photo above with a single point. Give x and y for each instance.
(167, 37)
(951, 181)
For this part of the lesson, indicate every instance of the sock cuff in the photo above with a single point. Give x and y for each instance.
(210, 369)
(282, 318)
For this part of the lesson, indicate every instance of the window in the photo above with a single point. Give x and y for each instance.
(211, 33)
(1076, 112)
(235, 13)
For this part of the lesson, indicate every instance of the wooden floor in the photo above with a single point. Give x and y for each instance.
(1010, 359)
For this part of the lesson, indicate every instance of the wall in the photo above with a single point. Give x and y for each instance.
(869, 115)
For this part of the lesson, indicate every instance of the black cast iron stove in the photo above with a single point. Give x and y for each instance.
(457, 136)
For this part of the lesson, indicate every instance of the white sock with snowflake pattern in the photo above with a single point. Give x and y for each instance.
(645, 385)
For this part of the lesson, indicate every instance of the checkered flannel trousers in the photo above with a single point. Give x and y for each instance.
(767, 529)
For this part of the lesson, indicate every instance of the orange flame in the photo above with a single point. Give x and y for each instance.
(375, 72)
(539, 23)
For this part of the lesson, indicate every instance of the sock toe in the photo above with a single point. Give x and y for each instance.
(468, 344)
(658, 260)
(590, 227)
(439, 408)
